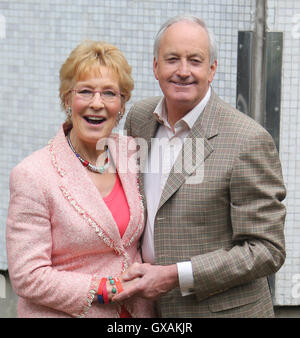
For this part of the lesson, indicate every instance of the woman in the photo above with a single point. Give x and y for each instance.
(74, 222)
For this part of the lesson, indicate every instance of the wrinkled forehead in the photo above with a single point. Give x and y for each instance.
(185, 34)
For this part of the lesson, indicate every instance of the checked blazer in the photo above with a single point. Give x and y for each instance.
(229, 225)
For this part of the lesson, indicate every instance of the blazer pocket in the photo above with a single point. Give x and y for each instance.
(237, 296)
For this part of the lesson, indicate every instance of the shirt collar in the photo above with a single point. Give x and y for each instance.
(189, 119)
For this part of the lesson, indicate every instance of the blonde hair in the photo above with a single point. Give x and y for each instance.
(86, 58)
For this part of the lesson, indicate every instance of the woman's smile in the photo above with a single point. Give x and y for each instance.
(94, 120)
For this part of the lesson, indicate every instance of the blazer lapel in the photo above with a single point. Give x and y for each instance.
(196, 149)
(148, 130)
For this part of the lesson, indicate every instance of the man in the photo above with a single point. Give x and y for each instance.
(211, 242)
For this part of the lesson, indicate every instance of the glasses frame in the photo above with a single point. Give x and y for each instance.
(118, 94)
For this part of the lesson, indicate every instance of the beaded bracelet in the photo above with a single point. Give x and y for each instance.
(105, 295)
(118, 284)
(100, 290)
(112, 282)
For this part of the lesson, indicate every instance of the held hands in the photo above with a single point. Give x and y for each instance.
(147, 281)
(125, 286)
(108, 287)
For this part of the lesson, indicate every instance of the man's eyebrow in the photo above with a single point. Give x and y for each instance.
(197, 54)
(190, 55)
(170, 54)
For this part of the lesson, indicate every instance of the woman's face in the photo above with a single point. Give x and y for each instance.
(94, 114)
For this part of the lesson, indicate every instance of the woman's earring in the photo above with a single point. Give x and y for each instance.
(120, 115)
(69, 112)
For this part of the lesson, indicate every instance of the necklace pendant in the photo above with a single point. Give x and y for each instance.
(87, 164)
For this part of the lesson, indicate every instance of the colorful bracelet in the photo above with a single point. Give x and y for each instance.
(100, 290)
(112, 282)
(118, 284)
(104, 294)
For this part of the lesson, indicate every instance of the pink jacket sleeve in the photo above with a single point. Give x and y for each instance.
(29, 246)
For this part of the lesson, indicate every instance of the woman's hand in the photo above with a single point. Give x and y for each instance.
(148, 281)
(126, 284)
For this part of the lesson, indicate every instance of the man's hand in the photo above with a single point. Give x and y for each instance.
(154, 280)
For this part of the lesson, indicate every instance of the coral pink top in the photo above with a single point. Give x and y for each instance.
(116, 202)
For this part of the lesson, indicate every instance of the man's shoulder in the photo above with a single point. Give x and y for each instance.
(234, 122)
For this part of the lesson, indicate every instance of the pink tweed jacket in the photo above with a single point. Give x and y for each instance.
(61, 237)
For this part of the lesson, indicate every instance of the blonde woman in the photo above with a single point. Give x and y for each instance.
(75, 219)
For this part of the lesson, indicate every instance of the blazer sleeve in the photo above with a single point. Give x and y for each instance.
(29, 246)
(257, 219)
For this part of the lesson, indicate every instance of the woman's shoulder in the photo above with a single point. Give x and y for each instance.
(39, 160)
(122, 135)
(33, 163)
(124, 149)
(122, 138)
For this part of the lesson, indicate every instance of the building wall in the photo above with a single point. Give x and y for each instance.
(284, 16)
(39, 36)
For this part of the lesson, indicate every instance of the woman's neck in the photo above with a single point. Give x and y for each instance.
(87, 151)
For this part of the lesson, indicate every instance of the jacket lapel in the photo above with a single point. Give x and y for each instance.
(148, 130)
(189, 165)
(85, 199)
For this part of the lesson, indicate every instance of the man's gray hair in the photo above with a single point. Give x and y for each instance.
(192, 18)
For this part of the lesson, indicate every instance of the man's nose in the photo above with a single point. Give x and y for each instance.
(183, 69)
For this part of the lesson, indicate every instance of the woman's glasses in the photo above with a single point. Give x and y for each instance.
(88, 94)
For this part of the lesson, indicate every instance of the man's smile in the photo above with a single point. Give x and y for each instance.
(182, 84)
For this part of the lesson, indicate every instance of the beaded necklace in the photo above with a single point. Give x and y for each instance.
(87, 164)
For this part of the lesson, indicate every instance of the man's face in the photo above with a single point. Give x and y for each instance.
(183, 67)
